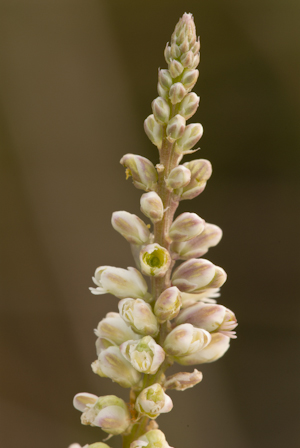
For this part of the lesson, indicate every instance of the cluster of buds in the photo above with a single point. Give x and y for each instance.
(178, 320)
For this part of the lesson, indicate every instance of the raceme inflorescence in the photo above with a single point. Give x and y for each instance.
(178, 319)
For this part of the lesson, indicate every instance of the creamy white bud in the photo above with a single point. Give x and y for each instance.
(175, 128)
(184, 47)
(192, 134)
(198, 246)
(189, 105)
(113, 328)
(145, 355)
(153, 401)
(139, 315)
(186, 226)
(165, 79)
(201, 171)
(131, 227)
(152, 206)
(154, 130)
(162, 92)
(155, 260)
(189, 78)
(152, 439)
(175, 68)
(168, 304)
(196, 61)
(143, 172)
(187, 59)
(183, 380)
(196, 47)
(120, 282)
(175, 51)
(167, 53)
(84, 400)
(179, 177)
(214, 350)
(161, 110)
(185, 30)
(177, 93)
(112, 364)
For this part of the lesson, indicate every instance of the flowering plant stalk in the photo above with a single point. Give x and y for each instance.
(179, 319)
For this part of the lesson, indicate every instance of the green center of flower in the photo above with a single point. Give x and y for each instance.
(155, 259)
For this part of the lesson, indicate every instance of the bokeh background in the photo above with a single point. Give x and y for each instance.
(77, 79)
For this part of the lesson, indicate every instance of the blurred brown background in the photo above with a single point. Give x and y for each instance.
(77, 80)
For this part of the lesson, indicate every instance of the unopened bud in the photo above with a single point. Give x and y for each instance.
(185, 29)
(131, 227)
(168, 304)
(152, 206)
(214, 350)
(175, 68)
(162, 92)
(175, 51)
(189, 105)
(192, 134)
(184, 47)
(161, 110)
(153, 401)
(165, 79)
(144, 355)
(198, 246)
(196, 47)
(143, 173)
(152, 439)
(189, 78)
(120, 282)
(155, 260)
(139, 315)
(167, 53)
(201, 171)
(187, 59)
(196, 61)
(175, 128)
(113, 328)
(194, 275)
(179, 177)
(177, 93)
(186, 226)
(154, 131)
(183, 380)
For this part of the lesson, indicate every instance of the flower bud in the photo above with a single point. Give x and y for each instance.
(187, 59)
(200, 172)
(152, 439)
(143, 173)
(177, 93)
(189, 78)
(209, 317)
(152, 401)
(198, 274)
(184, 47)
(196, 47)
(196, 61)
(189, 105)
(154, 131)
(185, 30)
(113, 328)
(131, 227)
(165, 79)
(185, 340)
(175, 68)
(120, 282)
(161, 110)
(110, 413)
(186, 226)
(192, 134)
(167, 53)
(214, 350)
(179, 177)
(139, 315)
(198, 246)
(162, 92)
(144, 355)
(152, 206)
(155, 260)
(112, 364)
(183, 380)
(175, 128)
(168, 304)
(175, 51)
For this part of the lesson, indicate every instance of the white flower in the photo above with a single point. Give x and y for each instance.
(115, 329)
(139, 315)
(155, 260)
(131, 227)
(145, 355)
(152, 439)
(153, 401)
(214, 350)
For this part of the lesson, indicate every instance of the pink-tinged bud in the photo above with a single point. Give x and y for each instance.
(185, 340)
(175, 128)
(139, 315)
(192, 134)
(196, 47)
(194, 275)
(183, 380)
(189, 78)
(187, 59)
(167, 53)
(161, 110)
(154, 131)
(184, 47)
(162, 92)
(186, 226)
(113, 328)
(214, 350)
(177, 93)
(120, 282)
(189, 105)
(131, 227)
(110, 413)
(165, 79)
(152, 206)
(152, 439)
(145, 355)
(168, 304)
(185, 30)
(112, 364)
(209, 317)
(179, 177)
(155, 260)
(175, 51)
(198, 246)
(175, 68)
(84, 400)
(143, 172)
(196, 61)
(153, 401)
(201, 171)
